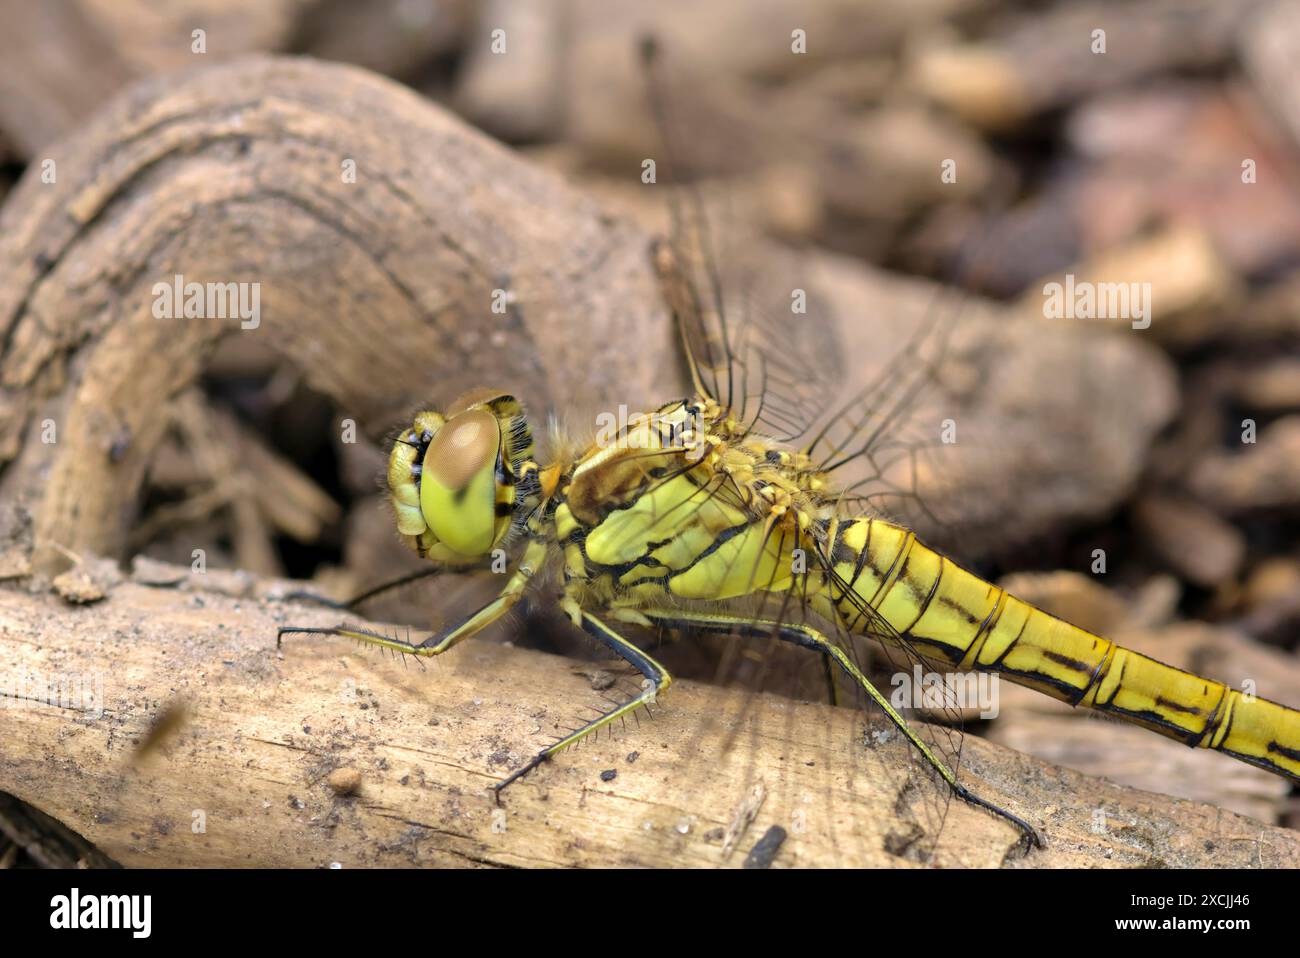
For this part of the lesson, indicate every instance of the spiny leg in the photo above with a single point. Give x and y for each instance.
(657, 680)
(532, 559)
(809, 638)
(302, 595)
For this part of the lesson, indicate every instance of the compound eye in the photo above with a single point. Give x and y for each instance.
(458, 482)
(462, 447)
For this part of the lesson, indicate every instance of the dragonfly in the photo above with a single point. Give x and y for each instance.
(722, 512)
(705, 501)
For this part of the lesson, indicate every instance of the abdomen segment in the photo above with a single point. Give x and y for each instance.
(955, 619)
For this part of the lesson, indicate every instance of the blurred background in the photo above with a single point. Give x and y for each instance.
(1156, 141)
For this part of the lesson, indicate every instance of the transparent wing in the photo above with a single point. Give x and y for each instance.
(755, 338)
(761, 339)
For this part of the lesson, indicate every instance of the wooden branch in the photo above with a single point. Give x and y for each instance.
(263, 731)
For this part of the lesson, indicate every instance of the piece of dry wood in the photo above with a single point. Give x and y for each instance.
(265, 730)
(380, 290)
(45, 841)
(232, 467)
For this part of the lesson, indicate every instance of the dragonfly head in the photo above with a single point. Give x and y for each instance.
(458, 479)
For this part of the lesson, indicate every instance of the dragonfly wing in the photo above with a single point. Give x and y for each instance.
(756, 338)
(764, 335)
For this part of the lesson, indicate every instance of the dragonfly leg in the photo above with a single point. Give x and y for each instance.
(832, 687)
(533, 556)
(305, 596)
(657, 680)
(810, 638)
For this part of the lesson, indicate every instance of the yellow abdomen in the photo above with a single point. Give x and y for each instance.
(955, 619)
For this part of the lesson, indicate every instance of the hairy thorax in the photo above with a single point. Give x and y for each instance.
(685, 504)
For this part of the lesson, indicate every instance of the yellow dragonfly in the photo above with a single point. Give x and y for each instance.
(704, 501)
(721, 512)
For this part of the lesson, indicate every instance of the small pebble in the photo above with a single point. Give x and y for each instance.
(344, 781)
(765, 849)
(78, 588)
